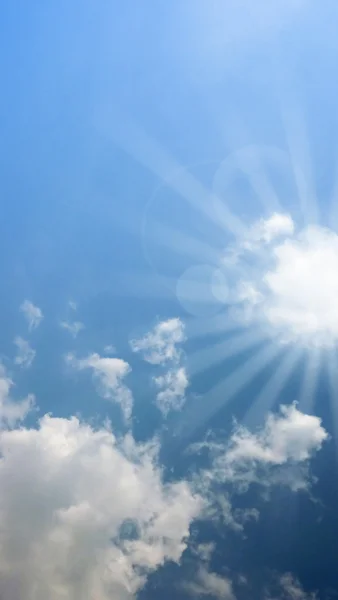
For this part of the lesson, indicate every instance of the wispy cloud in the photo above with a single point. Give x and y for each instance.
(109, 373)
(33, 314)
(173, 385)
(210, 584)
(74, 327)
(288, 587)
(25, 353)
(160, 344)
(161, 347)
(277, 454)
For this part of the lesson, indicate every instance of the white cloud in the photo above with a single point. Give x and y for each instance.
(203, 551)
(288, 436)
(211, 584)
(11, 411)
(74, 327)
(25, 354)
(160, 345)
(109, 349)
(109, 372)
(72, 305)
(173, 385)
(32, 313)
(83, 515)
(302, 288)
(265, 231)
(291, 287)
(278, 454)
(289, 588)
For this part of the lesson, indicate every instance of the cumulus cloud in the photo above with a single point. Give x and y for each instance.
(292, 287)
(74, 327)
(25, 354)
(277, 454)
(290, 435)
(160, 344)
(173, 385)
(265, 231)
(33, 314)
(84, 515)
(303, 285)
(11, 411)
(211, 584)
(109, 373)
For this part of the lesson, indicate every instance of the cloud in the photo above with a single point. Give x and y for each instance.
(303, 285)
(109, 349)
(32, 313)
(12, 412)
(292, 288)
(72, 305)
(74, 327)
(288, 436)
(210, 584)
(289, 588)
(160, 345)
(267, 230)
(203, 551)
(25, 354)
(84, 515)
(173, 385)
(278, 454)
(109, 372)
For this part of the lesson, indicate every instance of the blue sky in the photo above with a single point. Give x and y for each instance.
(169, 242)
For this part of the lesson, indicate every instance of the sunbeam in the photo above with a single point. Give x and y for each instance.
(204, 359)
(148, 152)
(331, 362)
(216, 325)
(184, 244)
(298, 145)
(226, 390)
(272, 389)
(333, 208)
(309, 383)
(249, 162)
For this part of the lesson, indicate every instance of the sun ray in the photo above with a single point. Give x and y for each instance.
(144, 285)
(184, 244)
(225, 391)
(331, 360)
(298, 145)
(148, 152)
(247, 161)
(203, 359)
(333, 208)
(310, 381)
(272, 389)
(216, 325)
